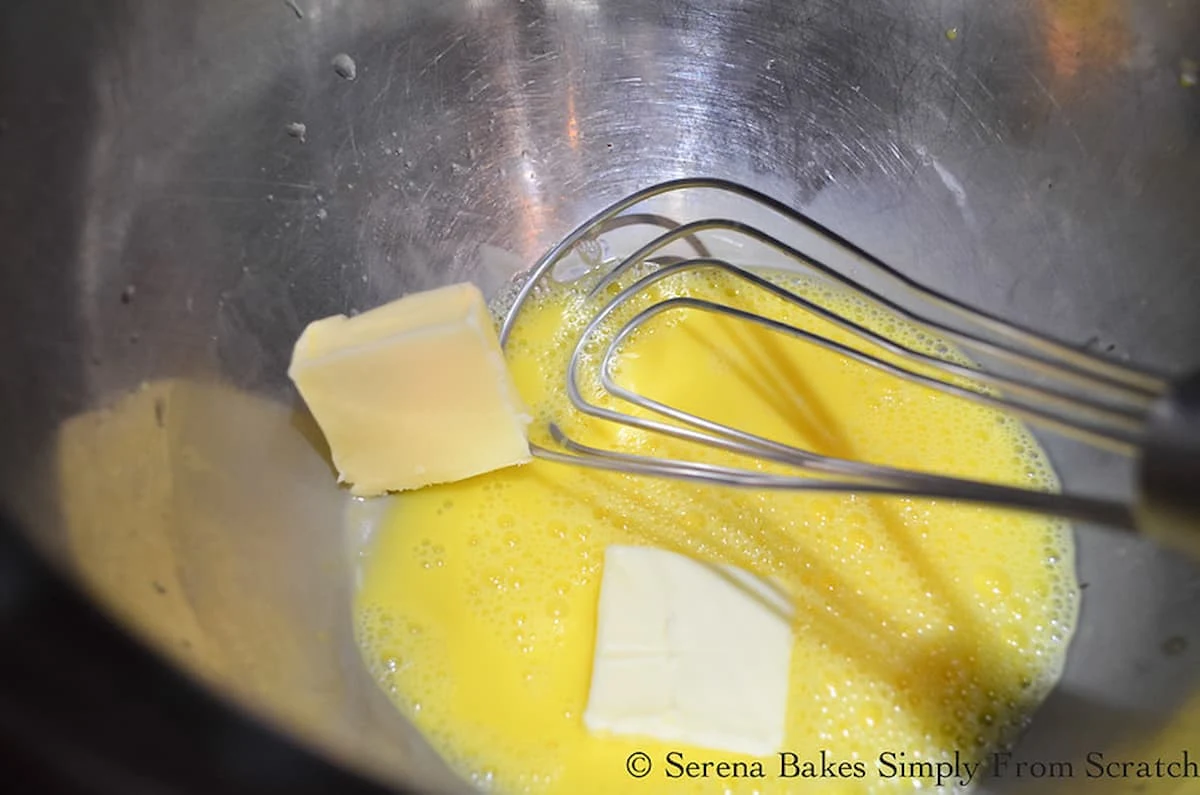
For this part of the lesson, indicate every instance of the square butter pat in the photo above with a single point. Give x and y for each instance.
(412, 393)
(690, 652)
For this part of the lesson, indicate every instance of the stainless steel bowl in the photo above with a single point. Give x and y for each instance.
(184, 185)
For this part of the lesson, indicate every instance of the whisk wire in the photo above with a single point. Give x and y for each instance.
(1084, 509)
(1118, 427)
(1085, 370)
(1111, 410)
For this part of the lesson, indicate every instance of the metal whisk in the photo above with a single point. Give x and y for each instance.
(1103, 402)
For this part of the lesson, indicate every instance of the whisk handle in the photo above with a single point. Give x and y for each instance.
(1168, 506)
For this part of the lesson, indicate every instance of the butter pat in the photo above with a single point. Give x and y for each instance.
(412, 393)
(689, 652)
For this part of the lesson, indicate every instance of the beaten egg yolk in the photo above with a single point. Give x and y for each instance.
(921, 626)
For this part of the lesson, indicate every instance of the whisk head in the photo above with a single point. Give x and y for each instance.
(629, 248)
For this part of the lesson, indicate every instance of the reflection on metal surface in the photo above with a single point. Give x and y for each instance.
(174, 502)
(148, 144)
(1084, 34)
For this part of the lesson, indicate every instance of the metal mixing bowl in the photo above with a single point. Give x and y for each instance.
(184, 185)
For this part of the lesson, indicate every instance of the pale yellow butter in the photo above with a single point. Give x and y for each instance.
(412, 393)
(690, 652)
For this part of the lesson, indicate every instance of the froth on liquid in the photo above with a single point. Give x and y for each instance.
(922, 626)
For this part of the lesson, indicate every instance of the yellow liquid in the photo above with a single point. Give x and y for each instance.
(921, 627)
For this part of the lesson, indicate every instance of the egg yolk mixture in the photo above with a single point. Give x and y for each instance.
(921, 627)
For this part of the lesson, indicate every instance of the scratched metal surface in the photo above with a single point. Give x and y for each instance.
(186, 185)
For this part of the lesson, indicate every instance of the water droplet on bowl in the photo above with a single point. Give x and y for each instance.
(345, 66)
(297, 130)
